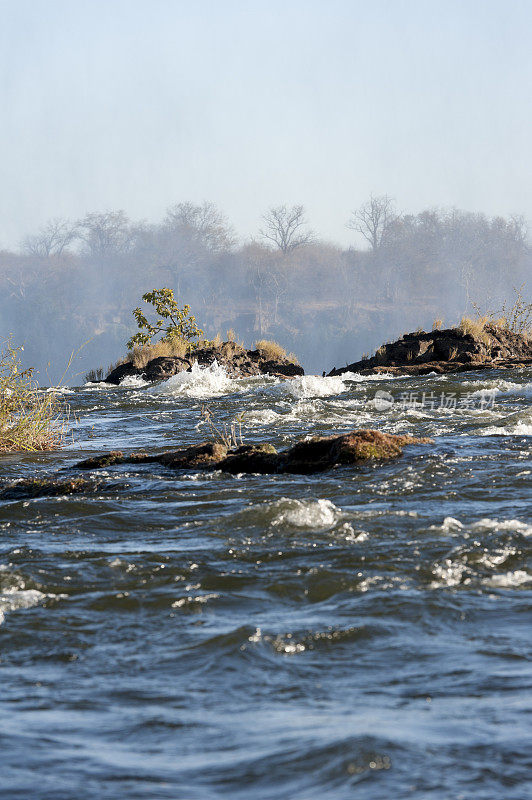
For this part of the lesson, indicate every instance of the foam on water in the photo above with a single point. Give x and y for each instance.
(200, 382)
(520, 425)
(516, 525)
(14, 596)
(496, 384)
(305, 513)
(133, 382)
(508, 580)
(59, 390)
(313, 514)
(15, 599)
(305, 386)
(484, 525)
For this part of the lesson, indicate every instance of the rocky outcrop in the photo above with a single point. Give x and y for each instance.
(236, 360)
(308, 456)
(450, 350)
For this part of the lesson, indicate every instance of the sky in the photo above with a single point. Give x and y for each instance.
(139, 104)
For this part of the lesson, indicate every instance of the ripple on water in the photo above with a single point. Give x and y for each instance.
(15, 596)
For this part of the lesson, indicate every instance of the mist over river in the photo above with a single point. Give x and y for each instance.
(363, 632)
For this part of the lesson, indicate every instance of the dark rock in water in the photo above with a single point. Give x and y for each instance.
(106, 460)
(164, 367)
(236, 360)
(202, 456)
(261, 458)
(324, 452)
(305, 457)
(450, 350)
(122, 371)
(286, 369)
(46, 487)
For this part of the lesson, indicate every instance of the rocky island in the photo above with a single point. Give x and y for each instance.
(470, 346)
(236, 360)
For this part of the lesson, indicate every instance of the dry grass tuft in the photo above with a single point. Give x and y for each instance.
(453, 352)
(270, 350)
(95, 375)
(99, 374)
(229, 436)
(437, 325)
(500, 323)
(172, 347)
(30, 418)
(476, 328)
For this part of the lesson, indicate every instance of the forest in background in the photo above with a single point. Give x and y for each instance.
(73, 285)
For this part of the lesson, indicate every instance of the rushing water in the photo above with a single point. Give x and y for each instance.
(359, 633)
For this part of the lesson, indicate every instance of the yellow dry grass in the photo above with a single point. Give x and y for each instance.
(173, 347)
(30, 418)
(476, 328)
(272, 351)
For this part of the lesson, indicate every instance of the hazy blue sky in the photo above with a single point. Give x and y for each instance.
(138, 104)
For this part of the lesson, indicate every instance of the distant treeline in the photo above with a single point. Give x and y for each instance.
(76, 282)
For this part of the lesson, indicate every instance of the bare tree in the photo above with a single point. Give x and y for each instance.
(286, 228)
(52, 239)
(107, 232)
(203, 224)
(373, 219)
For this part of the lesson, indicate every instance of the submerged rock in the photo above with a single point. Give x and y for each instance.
(236, 360)
(308, 456)
(45, 487)
(324, 452)
(106, 460)
(450, 350)
(261, 458)
(201, 456)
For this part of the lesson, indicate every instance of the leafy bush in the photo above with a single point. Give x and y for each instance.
(177, 324)
(30, 419)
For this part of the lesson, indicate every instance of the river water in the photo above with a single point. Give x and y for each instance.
(362, 633)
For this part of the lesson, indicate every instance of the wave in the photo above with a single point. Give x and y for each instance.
(133, 382)
(306, 386)
(486, 548)
(15, 599)
(514, 425)
(484, 525)
(200, 382)
(508, 580)
(59, 390)
(315, 514)
(14, 596)
(497, 387)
